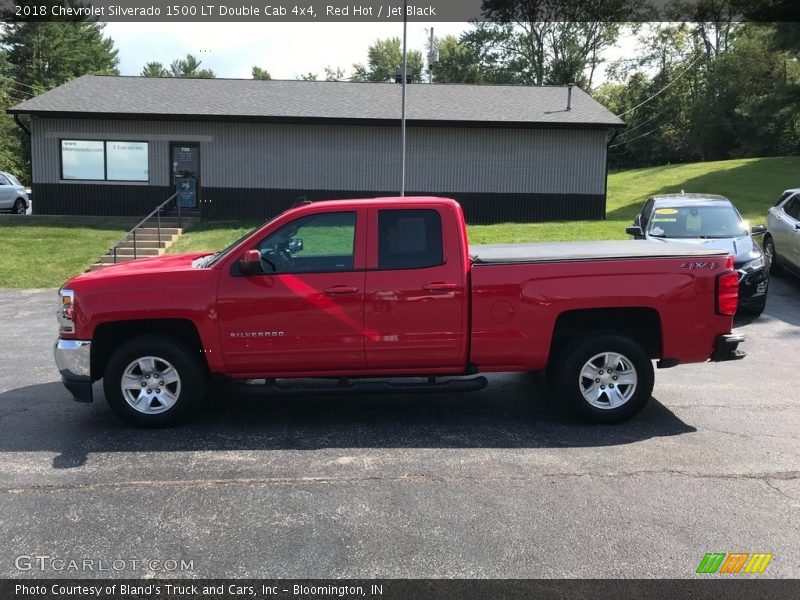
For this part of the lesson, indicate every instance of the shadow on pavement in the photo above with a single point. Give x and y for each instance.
(515, 411)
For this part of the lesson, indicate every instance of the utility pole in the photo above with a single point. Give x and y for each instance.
(432, 58)
(403, 104)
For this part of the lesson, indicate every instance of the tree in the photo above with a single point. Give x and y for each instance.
(309, 76)
(458, 63)
(259, 73)
(538, 42)
(383, 59)
(44, 55)
(334, 75)
(190, 67)
(155, 69)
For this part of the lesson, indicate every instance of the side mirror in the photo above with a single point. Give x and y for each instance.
(295, 244)
(758, 229)
(635, 231)
(250, 263)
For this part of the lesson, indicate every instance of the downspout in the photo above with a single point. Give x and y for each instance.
(21, 125)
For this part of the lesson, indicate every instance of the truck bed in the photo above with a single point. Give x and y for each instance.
(498, 254)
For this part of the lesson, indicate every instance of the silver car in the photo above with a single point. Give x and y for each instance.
(13, 197)
(782, 240)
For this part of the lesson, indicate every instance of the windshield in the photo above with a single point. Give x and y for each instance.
(696, 222)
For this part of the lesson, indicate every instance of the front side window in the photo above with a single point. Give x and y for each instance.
(94, 160)
(696, 222)
(313, 244)
(792, 208)
(4, 181)
(409, 239)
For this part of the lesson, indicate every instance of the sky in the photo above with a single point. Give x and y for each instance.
(286, 50)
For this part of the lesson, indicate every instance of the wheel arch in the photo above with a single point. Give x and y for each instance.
(109, 336)
(641, 324)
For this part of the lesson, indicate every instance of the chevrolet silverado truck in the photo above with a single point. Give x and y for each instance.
(386, 296)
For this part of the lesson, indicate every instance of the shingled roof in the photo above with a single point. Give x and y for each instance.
(321, 101)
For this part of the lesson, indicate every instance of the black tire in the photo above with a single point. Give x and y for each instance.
(773, 265)
(578, 354)
(188, 393)
(755, 309)
(20, 207)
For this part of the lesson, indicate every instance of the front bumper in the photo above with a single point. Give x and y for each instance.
(727, 348)
(753, 286)
(73, 361)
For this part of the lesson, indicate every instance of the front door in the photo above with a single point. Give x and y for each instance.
(305, 313)
(186, 173)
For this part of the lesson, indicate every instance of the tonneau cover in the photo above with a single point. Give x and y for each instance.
(600, 250)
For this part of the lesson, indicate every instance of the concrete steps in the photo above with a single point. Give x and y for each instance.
(149, 243)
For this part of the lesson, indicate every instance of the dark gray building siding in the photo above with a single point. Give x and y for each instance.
(255, 170)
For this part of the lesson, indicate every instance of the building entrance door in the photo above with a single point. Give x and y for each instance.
(185, 160)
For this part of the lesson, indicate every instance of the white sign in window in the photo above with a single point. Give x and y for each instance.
(126, 161)
(82, 159)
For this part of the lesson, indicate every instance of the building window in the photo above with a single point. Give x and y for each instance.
(93, 160)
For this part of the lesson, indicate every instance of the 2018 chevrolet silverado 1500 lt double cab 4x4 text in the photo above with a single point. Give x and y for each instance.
(370, 295)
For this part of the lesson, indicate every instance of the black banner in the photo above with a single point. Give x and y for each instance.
(394, 589)
(396, 10)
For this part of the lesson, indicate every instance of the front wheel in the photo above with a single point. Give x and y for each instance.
(607, 378)
(19, 208)
(154, 382)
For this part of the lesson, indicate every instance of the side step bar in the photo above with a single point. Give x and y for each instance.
(347, 386)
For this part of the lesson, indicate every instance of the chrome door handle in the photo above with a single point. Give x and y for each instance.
(341, 290)
(440, 286)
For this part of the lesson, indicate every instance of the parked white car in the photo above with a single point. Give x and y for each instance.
(13, 197)
(782, 240)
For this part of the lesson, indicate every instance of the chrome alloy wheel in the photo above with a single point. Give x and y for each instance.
(769, 253)
(608, 380)
(150, 385)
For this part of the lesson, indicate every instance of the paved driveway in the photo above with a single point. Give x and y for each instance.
(499, 483)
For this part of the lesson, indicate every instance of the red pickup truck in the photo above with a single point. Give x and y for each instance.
(385, 295)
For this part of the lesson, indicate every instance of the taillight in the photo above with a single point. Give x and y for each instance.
(728, 291)
(66, 312)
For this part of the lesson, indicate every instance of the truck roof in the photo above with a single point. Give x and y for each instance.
(388, 201)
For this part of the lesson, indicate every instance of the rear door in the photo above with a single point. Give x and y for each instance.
(785, 232)
(415, 305)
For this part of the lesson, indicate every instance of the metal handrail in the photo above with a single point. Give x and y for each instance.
(156, 211)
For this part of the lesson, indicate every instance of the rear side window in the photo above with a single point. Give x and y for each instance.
(409, 239)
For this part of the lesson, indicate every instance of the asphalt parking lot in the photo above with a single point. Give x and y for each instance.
(498, 483)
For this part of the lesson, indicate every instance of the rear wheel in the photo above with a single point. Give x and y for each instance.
(606, 378)
(771, 256)
(19, 207)
(154, 382)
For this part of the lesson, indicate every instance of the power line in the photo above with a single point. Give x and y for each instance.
(640, 136)
(628, 131)
(682, 73)
(18, 82)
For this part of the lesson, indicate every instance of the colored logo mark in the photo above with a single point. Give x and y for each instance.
(735, 562)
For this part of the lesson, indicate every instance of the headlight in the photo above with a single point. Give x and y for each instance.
(753, 265)
(66, 312)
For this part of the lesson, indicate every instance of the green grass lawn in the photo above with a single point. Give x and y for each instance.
(44, 256)
(752, 184)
